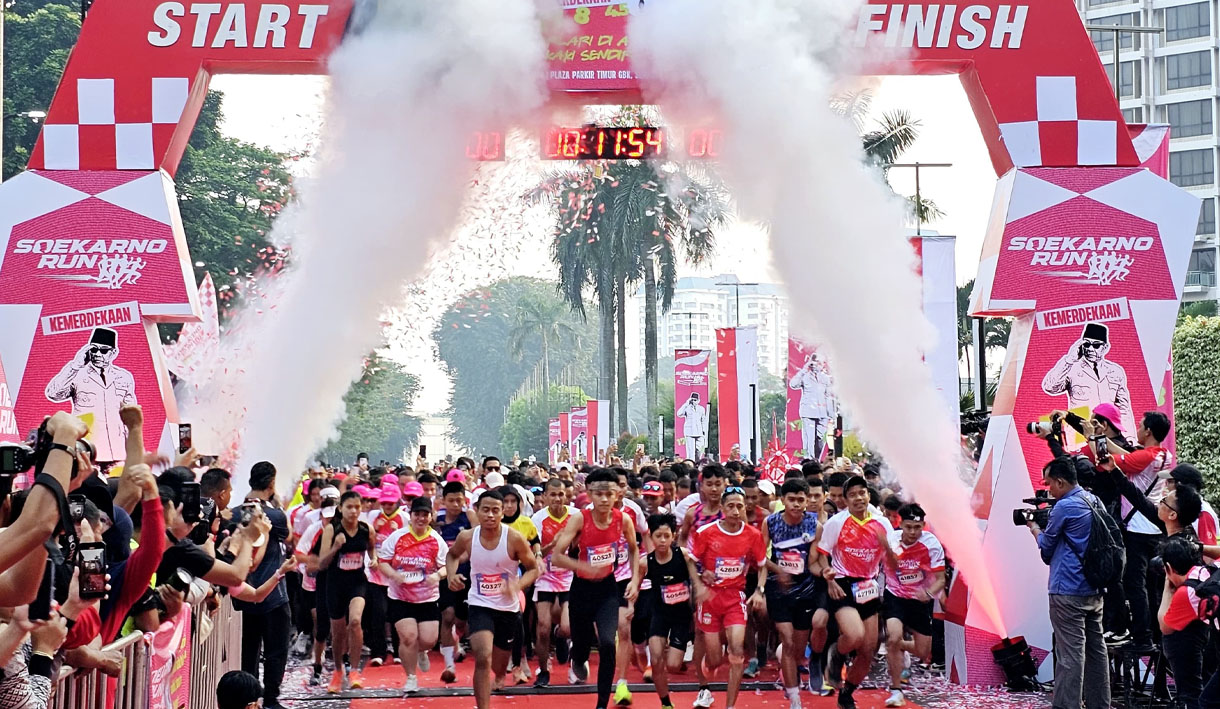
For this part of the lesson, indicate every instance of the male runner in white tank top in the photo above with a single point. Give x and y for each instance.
(495, 611)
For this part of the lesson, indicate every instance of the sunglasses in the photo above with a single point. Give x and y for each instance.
(733, 490)
(1166, 503)
(494, 470)
(100, 350)
(1092, 344)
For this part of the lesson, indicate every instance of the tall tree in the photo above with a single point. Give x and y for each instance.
(547, 319)
(995, 330)
(472, 339)
(377, 421)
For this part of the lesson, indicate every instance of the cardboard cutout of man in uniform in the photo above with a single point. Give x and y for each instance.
(1088, 378)
(816, 406)
(694, 426)
(95, 385)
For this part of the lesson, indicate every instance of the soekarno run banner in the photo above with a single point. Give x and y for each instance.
(599, 429)
(691, 400)
(553, 441)
(578, 433)
(737, 393)
(811, 405)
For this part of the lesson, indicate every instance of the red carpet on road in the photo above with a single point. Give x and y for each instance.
(391, 677)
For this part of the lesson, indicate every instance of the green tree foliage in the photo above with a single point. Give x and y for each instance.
(229, 192)
(526, 425)
(377, 421)
(472, 340)
(1196, 399)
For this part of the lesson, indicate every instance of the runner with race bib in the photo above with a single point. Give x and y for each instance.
(551, 589)
(910, 587)
(669, 624)
(346, 543)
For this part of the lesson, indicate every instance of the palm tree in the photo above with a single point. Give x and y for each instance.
(995, 330)
(545, 319)
(894, 133)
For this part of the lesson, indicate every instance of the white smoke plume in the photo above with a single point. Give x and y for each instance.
(388, 186)
(767, 71)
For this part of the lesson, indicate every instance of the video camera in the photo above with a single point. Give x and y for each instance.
(1053, 428)
(1042, 503)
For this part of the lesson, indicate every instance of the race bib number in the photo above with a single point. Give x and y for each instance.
(865, 591)
(491, 585)
(791, 562)
(675, 593)
(413, 572)
(603, 555)
(622, 554)
(910, 578)
(729, 567)
(351, 562)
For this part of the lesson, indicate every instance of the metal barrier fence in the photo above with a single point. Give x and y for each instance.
(211, 657)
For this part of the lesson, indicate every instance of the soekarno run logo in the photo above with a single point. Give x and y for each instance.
(91, 263)
(1089, 260)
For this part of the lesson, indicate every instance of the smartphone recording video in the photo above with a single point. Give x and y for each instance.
(40, 607)
(91, 560)
(184, 437)
(190, 502)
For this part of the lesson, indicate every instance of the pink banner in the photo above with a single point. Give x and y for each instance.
(553, 441)
(691, 399)
(8, 421)
(599, 429)
(810, 407)
(578, 434)
(169, 683)
(565, 438)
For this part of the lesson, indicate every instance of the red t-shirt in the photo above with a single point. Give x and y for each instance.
(729, 555)
(853, 546)
(1184, 606)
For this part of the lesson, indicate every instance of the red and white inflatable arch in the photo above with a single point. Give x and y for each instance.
(1084, 243)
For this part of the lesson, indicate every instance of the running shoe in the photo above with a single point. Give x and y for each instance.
(667, 706)
(448, 676)
(302, 644)
(794, 702)
(425, 664)
(648, 675)
(578, 674)
(522, 674)
(336, 683)
(827, 689)
(846, 702)
(562, 648)
(542, 680)
(751, 670)
(375, 662)
(622, 695)
(315, 678)
(411, 687)
(896, 699)
(355, 680)
(705, 699)
(1112, 639)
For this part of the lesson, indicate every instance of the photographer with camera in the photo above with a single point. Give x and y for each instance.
(1075, 604)
(61, 460)
(1141, 536)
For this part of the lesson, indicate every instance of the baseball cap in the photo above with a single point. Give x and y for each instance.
(328, 512)
(421, 503)
(563, 466)
(1110, 413)
(389, 493)
(412, 489)
(455, 476)
(494, 480)
(330, 492)
(767, 487)
(367, 492)
(652, 488)
(1185, 474)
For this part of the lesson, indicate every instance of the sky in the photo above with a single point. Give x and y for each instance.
(284, 112)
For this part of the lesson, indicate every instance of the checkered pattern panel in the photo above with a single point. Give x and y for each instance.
(106, 142)
(1060, 136)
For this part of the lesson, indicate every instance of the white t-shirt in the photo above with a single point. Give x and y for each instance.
(681, 506)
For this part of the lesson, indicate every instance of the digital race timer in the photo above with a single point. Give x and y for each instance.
(597, 143)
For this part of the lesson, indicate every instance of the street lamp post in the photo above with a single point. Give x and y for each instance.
(690, 327)
(917, 165)
(1118, 30)
(736, 297)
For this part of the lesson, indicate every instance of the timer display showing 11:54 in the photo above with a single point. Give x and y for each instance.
(602, 143)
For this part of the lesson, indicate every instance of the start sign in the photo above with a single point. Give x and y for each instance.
(231, 27)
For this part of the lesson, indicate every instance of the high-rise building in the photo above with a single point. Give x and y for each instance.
(701, 305)
(1171, 78)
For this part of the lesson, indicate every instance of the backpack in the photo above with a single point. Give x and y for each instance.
(1208, 592)
(1104, 555)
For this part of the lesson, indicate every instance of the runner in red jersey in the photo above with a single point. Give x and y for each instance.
(594, 599)
(727, 550)
(551, 589)
(855, 543)
(910, 587)
(707, 510)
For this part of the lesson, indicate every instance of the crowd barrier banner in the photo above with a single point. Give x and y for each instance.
(578, 433)
(177, 667)
(554, 438)
(599, 428)
(692, 403)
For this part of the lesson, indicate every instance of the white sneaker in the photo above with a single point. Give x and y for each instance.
(794, 699)
(690, 653)
(705, 699)
(412, 685)
(425, 664)
(896, 699)
(302, 644)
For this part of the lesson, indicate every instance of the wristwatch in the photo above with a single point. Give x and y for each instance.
(61, 447)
